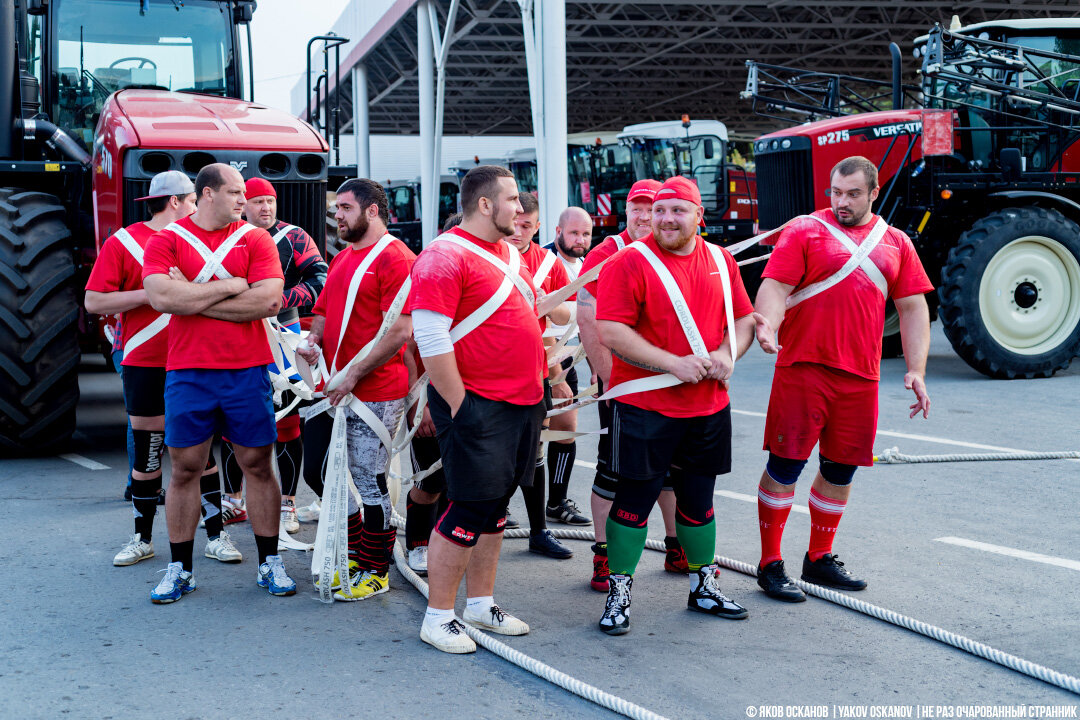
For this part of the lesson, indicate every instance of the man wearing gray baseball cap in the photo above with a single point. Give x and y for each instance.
(115, 288)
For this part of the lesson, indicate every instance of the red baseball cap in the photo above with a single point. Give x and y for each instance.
(257, 187)
(680, 188)
(643, 189)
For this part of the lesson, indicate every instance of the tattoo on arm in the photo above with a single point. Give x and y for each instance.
(584, 298)
(635, 363)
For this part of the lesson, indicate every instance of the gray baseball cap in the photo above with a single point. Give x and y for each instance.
(171, 182)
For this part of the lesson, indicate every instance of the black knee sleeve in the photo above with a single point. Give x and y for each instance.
(693, 497)
(465, 521)
(290, 454)
(149, 446)
(231, 473)
(784, 470)
(634, 500)
(835, 473)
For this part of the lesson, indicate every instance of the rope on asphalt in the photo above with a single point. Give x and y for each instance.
(894, 456)
(581, 689)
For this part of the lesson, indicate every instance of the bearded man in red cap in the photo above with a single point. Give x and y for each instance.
(639, 203)
(305, 276)
(667, 309)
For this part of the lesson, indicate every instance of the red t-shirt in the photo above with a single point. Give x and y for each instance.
(599, 254)
(116, 270)
(377, 289)
(502, 359)
(555, 278)
(197, 341)
(842, 326)
(631, 293)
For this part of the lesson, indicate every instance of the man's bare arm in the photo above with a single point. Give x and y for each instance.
(261, 300)
(915, 337)
(769, 308)
(386, 348)
(599, 356)
(111, 303)
(625, 342)
(181, 297)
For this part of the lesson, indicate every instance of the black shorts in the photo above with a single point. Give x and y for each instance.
(144, 390)
(645, 443)
(425, 453)
(571, 376)
(488, 448)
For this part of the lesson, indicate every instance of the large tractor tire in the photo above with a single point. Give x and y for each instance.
(39, 350)
(1010, 293)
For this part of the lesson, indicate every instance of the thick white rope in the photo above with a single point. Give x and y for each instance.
(894, 456)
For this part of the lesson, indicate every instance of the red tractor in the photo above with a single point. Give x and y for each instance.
(100, 96)
(983, 175)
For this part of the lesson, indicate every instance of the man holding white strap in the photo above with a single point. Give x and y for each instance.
(825, 289)
(639, 203)
(573, 236)
(472, 297)
(668, 308)
(218, 277)
(116, 287)
(363, 281)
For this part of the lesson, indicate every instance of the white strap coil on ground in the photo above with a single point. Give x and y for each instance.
(893, 456)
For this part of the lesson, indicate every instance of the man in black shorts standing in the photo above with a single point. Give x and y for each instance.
(487, 414)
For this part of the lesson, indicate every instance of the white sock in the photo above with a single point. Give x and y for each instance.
(438, 617)
(479, 604)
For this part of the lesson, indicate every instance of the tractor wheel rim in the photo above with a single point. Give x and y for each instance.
(1029, 295)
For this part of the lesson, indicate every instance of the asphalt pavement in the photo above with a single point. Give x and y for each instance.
(988, 550)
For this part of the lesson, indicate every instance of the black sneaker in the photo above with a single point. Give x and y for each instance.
(707, 598)
(777, 585)
(544, 543)
(616, 617)
(830, 572)
(511, 523)
(568, 513)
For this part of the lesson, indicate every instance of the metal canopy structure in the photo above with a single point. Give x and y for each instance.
(639, 61)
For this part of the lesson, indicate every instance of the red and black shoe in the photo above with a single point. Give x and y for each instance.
(675, 559)
(599, 581)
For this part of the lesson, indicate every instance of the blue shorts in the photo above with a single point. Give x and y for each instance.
(237, 403)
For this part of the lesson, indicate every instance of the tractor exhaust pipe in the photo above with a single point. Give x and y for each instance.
(897, 77)
(54, 137)
(8, 78)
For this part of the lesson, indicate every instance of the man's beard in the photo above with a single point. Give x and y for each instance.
(646, 230)
(506, 230)
(569, 250)
(678, 243)
(852, 220)
(353, 234)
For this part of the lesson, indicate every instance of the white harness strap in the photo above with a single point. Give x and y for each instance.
(678, 301)
(354, 286)
(213, 267)
(515, 262)
(159, 323)
(545, 268)
(619, 242)
(283, 232)
(860, 258)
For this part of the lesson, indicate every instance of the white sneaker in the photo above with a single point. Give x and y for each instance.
(497, 621)
(221, 548)
(289, 520)
(310, 513)
(134, 551)
(449, 637)
(418, 560)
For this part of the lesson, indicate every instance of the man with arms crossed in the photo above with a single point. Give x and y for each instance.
(825, 386)
(219, 277)
(673, 304)
(486, 398)
(639, 204)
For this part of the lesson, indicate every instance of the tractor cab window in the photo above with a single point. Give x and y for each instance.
(448, 201)
(402, 205)
(526, 175)
(107, 45)
(702, 159)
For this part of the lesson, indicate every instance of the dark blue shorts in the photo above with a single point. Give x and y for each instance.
(236, 403)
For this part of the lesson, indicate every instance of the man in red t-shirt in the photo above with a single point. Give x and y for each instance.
(486, 397)
(667, 309)
(825, 387)
(342, 326)
(218, 277)
(548, 275)
(115, 287)
(639, 203)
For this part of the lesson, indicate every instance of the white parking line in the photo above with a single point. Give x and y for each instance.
(1011, 552)
(753, 499)
(85, 462)
(913, 436)
(582, 463)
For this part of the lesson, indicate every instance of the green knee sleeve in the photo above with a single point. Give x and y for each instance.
(624, 546)
(699, 542)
